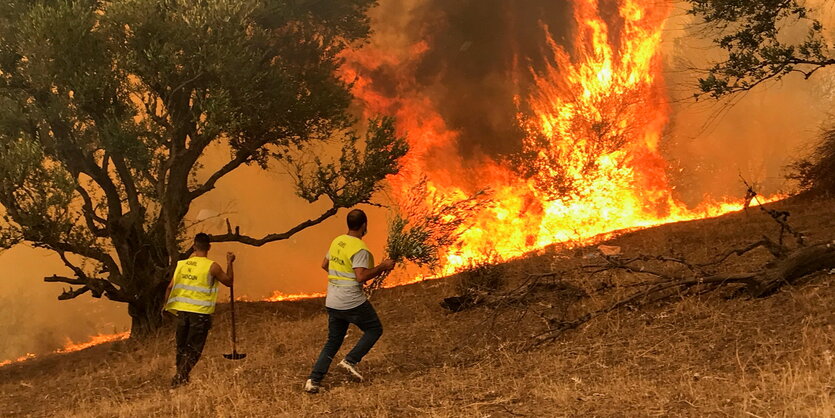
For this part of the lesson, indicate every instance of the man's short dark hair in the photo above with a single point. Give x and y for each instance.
(356, 219)
(202, 242)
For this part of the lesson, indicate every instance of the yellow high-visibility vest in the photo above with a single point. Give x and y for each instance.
(340, 268)
(194, 290)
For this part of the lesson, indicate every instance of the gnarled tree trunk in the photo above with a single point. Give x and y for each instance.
(146, 312)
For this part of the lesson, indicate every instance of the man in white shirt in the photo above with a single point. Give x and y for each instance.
(349, 264)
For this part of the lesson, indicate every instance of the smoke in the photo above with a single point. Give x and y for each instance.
(754, 135)
(32, 320)
(476, 51)
(478, 57)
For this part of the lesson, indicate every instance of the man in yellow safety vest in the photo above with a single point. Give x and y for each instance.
(192, 295)
(349, 264)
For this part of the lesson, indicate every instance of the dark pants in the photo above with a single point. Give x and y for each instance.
(362, 316)
(192, 330)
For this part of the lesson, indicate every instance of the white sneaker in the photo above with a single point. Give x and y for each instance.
(311, 387)
(351, 368)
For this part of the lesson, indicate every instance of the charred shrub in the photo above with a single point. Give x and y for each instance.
(474, 285)
(815, 173)
(482, 277)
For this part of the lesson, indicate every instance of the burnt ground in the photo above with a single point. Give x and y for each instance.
(714, 354)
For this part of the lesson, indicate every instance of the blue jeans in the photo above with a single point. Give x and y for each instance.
(363, 316)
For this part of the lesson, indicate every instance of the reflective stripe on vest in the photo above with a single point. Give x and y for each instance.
(340, 267)
(342, 276)
(194, 288)
(190, 301)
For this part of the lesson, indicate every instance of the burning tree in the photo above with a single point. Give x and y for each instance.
(106, 109)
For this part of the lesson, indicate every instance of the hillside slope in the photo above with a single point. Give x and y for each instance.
(706, 355)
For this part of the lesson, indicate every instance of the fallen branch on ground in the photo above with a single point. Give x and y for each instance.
(796, 265)
(786, 267)
(531, 284)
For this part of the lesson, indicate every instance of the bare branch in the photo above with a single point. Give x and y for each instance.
(63, 279)
(77, 270)
(776, 250)
(235, 236)
(89, 252)
(98, 287)
(553, 333)
(781, 217)
(236, 162)
(73, 293)
(787, 270)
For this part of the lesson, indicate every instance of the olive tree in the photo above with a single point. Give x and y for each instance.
(108, 108)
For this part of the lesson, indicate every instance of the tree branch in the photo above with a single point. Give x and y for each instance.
(551, 334)
(776, 250)
(89, 252)
(100, 176)
(97, 286)
(235, 236)
(78, 161)
(129, 184)
(786, 270)
(90, 215)
(781, 217)
(77, 270)
(748, 81)
(63, 279)
(236, 162)
(73, 293)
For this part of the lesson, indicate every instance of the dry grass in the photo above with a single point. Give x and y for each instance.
(702, 356)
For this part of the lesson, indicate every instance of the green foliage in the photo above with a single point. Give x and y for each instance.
(413, 244)
(358, 173)
(752, 34)
(37, 193)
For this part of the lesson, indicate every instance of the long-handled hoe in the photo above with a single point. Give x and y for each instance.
(235, 354)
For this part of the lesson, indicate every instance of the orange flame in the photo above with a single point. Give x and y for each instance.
(24, 357)
(593, 124)
(281, 297)
(70, 346)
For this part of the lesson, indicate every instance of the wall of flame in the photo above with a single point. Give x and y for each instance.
(593, 117)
